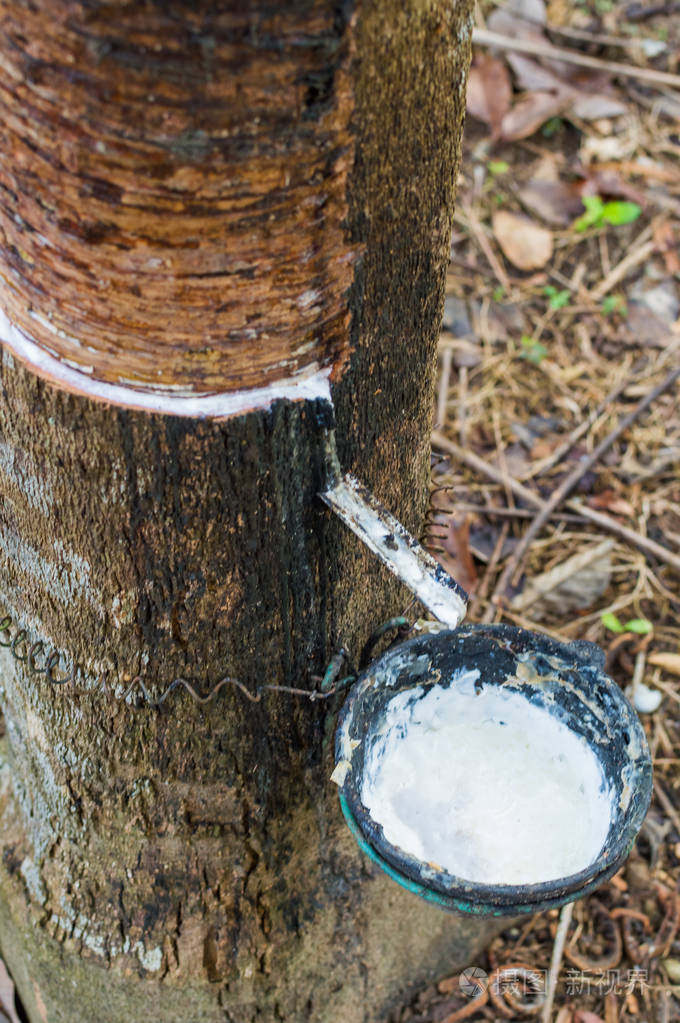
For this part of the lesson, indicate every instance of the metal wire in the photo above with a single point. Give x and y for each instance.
(17, 644)
(402, 626)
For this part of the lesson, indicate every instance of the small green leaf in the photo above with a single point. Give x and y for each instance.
(619, 212)
(614, 304)
(597, 213)
(611, 622)
(498, 294)
(639, 625)
(498, 167)
(558, 299)
(593, 215)
(593, 204)
(552, 127)
(532, 350)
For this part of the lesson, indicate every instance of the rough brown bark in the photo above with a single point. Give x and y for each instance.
(178, 164)
(191, 863)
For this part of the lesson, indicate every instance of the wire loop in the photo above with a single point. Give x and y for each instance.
(331, 683)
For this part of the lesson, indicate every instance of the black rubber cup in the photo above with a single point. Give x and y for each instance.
(568, 682)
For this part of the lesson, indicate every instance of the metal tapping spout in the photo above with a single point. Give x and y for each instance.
(391, 542)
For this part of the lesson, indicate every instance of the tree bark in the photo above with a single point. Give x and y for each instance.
(190, 863)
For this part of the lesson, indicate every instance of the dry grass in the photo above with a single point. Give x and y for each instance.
(516, 405)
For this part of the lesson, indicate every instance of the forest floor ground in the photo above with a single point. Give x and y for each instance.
(562, 316)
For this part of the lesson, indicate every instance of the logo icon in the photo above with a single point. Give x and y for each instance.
(473, 981)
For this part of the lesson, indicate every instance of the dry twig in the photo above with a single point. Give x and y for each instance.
(482, 37)
(667, 804)
(580, 430)
(572, 480)
(643, 543)
(556, 960)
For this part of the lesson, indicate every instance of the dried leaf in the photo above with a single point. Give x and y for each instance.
(662, 300)
(458, 558)
(506, 319)
(646, 328)
(609, 183)
(667, 244)
(584, 1016)
(489, 91)
(602, 150)
(519, 19)
(533, 10)
(638, 874)
(666, 660)
(556, 202)
(597, 105)
(543, 448)
(483, 540)
(610, 501)
(530, 113)
(526, 244)
(572, 585)
(533, 77)
(547, 168)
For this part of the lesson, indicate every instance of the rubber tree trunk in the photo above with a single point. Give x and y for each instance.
(199, 200)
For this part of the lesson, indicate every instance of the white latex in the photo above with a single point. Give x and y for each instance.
(220, 405)
(486, 785)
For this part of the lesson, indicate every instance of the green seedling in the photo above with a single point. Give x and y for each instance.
(496, 167)
(552, 127)
(614, 304)
(598, 213)
(557, 299)
(640, 626)
(532, 350)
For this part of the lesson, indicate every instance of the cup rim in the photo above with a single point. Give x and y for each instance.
(438, 879)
